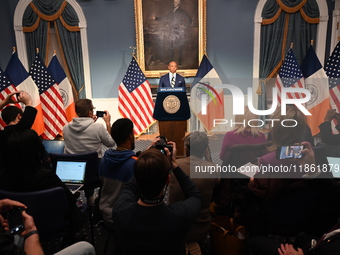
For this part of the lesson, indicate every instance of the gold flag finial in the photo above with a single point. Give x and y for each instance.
(133, 51)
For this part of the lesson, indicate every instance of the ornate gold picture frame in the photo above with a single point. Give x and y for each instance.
(169, 30)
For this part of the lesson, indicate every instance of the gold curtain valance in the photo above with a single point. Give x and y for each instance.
(273, 19)
(291, 10)
(49, 18)
(308, 19)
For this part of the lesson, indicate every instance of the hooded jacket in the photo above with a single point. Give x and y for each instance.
(115, 169)
(83, 135)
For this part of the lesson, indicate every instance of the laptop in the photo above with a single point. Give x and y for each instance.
(334, 166)
(72, 173)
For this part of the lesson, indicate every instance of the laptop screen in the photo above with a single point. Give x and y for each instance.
(71, 171)
(334, 165)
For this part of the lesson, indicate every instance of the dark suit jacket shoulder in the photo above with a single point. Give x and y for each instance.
(164, 81)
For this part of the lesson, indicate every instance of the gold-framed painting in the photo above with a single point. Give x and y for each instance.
(170, 30)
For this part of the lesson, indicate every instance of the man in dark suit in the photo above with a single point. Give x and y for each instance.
(172, 79)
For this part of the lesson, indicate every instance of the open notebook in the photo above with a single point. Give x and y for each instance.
(72, 173)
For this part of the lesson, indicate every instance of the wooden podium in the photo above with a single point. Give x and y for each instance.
(174, 131)
(172, 111)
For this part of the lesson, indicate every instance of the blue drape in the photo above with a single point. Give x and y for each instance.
(39, 16)
(284, 22)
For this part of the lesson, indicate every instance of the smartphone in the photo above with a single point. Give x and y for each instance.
(16, 97)
(100, 114)
(289, 152)
(15, 220)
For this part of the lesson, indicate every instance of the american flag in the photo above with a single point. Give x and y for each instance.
(51, 100)
(332, 69)
(290, 75)
(135, 99)
(6, 87)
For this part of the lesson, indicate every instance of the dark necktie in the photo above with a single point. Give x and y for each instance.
(173, 81)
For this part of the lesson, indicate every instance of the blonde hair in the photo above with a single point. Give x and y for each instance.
(288, 135)
(241, 128)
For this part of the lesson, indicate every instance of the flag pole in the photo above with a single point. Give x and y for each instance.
(312, 43)
(14, 49)
(291, 45)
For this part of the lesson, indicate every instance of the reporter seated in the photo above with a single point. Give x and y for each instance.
(21, 153)
(30, 234)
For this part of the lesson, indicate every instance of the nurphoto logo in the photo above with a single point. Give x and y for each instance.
(238, 105)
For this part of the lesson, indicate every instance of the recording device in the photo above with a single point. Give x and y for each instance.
(100, 114)
(289, 152)
(15, 220)
(162, 144)
(17, 97)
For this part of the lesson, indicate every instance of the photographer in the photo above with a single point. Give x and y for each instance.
(13, 116)
(115, 169)
(30, 233)
(144, 223)
(196, 148)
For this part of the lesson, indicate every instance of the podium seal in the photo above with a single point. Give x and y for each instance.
(171, 104)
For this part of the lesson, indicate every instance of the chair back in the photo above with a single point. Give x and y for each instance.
(329, 150)
(92, 165)
(49, 208)
(54, 146)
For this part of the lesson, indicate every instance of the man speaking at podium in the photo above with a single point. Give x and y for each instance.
(172, 79)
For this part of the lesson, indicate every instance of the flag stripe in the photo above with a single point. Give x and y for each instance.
(64, 85)
(332, 69)
(205, 79)
(126, 103)
(317, 83)
(23, 81)
(6, 88)
(290, 75)
(51, 100)
(135, 99)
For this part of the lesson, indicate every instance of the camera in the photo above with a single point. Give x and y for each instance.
(162, 144)
(15, 220)
(289, 152)
(100, 114)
